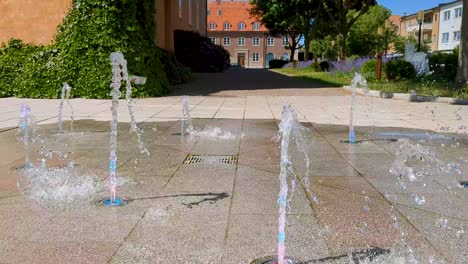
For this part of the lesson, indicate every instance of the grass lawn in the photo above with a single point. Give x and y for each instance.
(420, 87)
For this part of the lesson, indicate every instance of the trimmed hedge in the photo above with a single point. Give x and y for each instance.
(199, 53)
(79, 55)
(368, 69)
(276, 64)
(444, 65)
(399, 69)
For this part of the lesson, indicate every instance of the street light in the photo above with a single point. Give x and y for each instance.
(420, 19)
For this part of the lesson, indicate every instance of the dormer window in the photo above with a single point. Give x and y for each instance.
(212, 26)
(256, 26)
(241, 26)
(227, 26)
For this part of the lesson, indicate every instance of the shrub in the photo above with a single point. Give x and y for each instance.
(325, 66)
(176, 72)
(91, 30)
(399, 69)
(275, 64)
(199, 53)
(444, 65)
(368, 69)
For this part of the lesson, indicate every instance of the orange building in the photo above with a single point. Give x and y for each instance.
(429, 27)
(247, 40)
(36, 21)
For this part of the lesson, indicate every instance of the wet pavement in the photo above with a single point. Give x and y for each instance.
(214, 212)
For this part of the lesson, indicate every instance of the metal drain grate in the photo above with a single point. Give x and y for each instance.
(201, 159)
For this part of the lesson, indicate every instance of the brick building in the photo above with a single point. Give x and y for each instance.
(230, 25)
(36, 21)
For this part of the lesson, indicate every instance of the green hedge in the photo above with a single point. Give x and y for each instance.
(79, 55)
(399, 70)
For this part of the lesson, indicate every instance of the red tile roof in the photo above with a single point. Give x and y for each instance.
(233, 12)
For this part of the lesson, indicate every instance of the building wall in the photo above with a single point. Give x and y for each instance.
(178, 14)
(33, 21)
(235, 12)
(277, 50)
(36, 21)
(449, 26)
(429, 27)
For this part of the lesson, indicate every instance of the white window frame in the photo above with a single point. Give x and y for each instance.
(226, 41)
(445, 37)
(241, 41)
(256, 26)
(256, 57)
(270, 41)
(241, 26)
(212, 26)
(213, 40)
(256, 41)
(455, 34)
(285, 41)
(447, 15)
(227, 26)
(458, 12)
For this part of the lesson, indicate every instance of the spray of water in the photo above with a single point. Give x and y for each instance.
(26, 131)
(66, 89)
(357, 80)
(186, 124)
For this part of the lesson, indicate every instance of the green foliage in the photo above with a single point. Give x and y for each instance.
(90, 32)
(399, 69)
(400, 43)
(364, 39)
(324, 48)
(368, 69)
(444, 66)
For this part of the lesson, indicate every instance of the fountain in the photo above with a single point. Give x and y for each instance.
(357, 80)
(26, 126)
(66, 89)
(186, 124)
(119, 73)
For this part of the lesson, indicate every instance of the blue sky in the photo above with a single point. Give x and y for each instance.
(398, 7)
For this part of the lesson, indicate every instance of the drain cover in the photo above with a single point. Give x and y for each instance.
(464, 184)
(197, 159)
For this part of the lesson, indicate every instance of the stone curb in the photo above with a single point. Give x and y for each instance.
(410, 97)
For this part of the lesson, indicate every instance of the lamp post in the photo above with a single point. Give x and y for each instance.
(378, 66)
(420, 19)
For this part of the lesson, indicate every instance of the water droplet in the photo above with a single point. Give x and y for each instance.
(443, 223)
(419, 200)
(460, 233)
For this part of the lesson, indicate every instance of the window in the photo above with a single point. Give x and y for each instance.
(256, 26)
(212, 26)
(190, 17)
(445, 37)
(227, 41)
(447, 15)
(433, 38)
(180, 9)
(208, 12)
(285, 56)
(456, 36)
(285, 41)
(435, 17)
(227, 26)
(219, 12)
(213, 40)
(255, 57)
(241, 41)
(256, 41)
(241, 26)
(458, 12)
(270, 41)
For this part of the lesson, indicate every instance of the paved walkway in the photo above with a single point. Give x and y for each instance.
(226, 213)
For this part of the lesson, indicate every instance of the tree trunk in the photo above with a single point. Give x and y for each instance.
(343, 43)
(462, 73)
(292, 47)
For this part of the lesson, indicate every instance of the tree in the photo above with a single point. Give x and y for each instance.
(294, 18)
(462, 73)
(364, 39)
(400, 43)
(343, 14)
(324, 48)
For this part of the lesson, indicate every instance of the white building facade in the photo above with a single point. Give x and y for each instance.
(450, 25)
